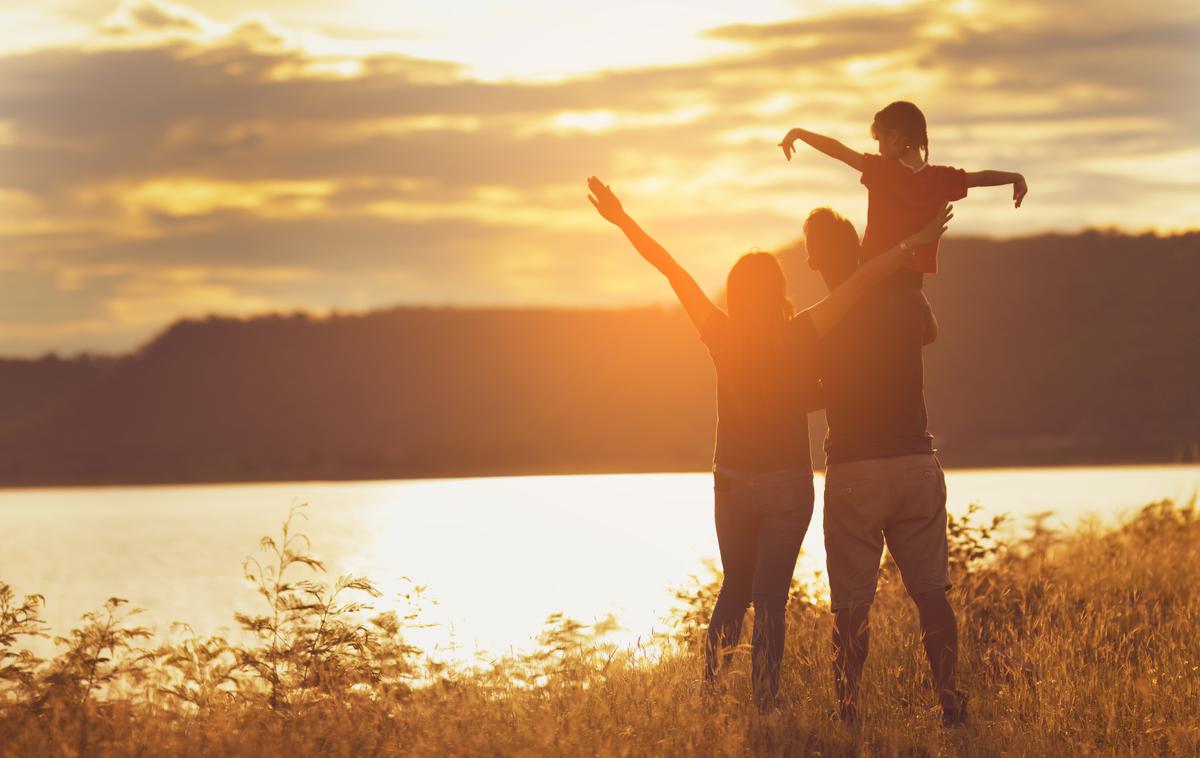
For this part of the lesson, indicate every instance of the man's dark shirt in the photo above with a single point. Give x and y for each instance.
(766, 384)
(873, 379)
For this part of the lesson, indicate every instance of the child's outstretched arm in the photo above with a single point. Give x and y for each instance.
(693, 299)
(827, 145)
(998, 179)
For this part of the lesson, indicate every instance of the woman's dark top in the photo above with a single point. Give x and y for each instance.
(766, 384)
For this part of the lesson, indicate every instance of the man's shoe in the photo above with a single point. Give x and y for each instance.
(954, 717)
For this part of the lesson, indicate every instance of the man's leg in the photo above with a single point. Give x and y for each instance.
(851, 642)
(939, 632)
(857, 499)
(917, 541)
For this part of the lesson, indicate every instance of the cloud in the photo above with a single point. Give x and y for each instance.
(171, 142)
(868, 27)
(155, 17)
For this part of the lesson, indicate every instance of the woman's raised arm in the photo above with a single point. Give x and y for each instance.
(693, 299)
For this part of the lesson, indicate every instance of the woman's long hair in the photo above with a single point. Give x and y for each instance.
(756, 292)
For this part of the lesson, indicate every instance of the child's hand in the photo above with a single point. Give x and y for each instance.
(1020, 188)
(605, 201)
(788, 144)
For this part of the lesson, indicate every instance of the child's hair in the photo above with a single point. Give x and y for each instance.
(756, 290)
(907, 120)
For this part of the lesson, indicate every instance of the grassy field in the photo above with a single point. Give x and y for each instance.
(1072, 644)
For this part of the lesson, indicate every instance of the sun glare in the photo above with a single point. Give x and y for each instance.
(589, 121)
(191, 197)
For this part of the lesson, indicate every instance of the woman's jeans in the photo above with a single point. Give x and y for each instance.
(761, 520)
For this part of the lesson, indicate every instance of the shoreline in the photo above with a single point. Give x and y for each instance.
(147, 484)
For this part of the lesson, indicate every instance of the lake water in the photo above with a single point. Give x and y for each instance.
(498, 555)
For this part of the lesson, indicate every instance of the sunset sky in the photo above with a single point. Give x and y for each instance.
(160, 160)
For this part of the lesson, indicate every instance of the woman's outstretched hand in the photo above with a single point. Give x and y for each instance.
(699, 308)
(935, 228)
(605, 201)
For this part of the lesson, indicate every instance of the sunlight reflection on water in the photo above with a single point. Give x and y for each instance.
(498, 555)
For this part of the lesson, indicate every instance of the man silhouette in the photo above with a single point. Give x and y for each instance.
(883, 481)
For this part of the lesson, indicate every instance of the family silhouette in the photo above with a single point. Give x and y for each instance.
(857, 353)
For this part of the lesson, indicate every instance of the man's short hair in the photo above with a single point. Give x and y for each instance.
(831, 240)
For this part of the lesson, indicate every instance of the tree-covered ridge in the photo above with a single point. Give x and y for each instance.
(1053, 349)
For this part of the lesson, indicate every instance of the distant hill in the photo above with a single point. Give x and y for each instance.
(1053, 349)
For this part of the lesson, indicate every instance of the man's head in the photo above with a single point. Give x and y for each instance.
(832, 245)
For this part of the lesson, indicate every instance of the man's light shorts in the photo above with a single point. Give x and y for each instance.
(901, 500)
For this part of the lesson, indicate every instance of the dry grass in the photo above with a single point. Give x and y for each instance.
(1079, 644)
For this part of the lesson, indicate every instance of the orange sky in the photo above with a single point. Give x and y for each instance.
(160, 160)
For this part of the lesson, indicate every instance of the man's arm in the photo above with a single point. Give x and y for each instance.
(691, 297)
(827, 145)
(930, 326)
(826, 313)
(998, 179)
